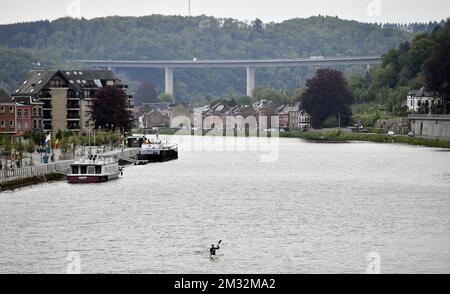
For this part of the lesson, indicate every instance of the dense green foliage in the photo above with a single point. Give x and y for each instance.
(437, 67)
(14, 65)
(423, 62)
(160, 37)
(327, 99)
(146, 93)
(109, 110)
(341, 136)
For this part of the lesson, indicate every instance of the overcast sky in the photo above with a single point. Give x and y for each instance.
(268, 10)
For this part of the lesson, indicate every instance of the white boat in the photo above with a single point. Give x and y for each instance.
(94, 169)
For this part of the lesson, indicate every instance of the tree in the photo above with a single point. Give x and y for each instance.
(264, 93)
(258, 24)
(437, 67)
(166, 97)
(146, 93)
(75, 140)
(7, 149)
(327, 94)
(109, 109)
(39, 137)
(20, 148)
(30, 148)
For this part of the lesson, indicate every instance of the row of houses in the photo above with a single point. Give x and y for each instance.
(260, 115)
(53, 100)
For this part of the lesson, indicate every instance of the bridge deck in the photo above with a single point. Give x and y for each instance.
(233, 63)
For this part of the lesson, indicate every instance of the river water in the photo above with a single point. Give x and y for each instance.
(307, 208)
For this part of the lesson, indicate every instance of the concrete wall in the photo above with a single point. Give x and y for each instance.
(59, 109)
(437, 128)
(398, 125)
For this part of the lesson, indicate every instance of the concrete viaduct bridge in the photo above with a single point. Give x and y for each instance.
(250, 65)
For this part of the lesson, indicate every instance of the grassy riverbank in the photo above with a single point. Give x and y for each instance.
(340, 136)
(333, 136)
(20, 183)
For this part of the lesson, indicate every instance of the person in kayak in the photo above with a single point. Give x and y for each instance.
(213, 249)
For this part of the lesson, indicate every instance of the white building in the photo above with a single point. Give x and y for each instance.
(304, 120)
(422, 100)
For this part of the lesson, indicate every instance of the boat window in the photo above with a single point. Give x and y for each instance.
(98, 170)
(91, 170)
(74, 170)
(83, 170)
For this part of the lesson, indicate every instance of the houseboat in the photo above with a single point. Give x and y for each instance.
(94, 169)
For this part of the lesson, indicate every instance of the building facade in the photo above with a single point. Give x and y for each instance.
(63, 99)
(7, 117)
(423, 101)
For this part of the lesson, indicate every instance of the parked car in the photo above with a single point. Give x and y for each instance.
(412, 134)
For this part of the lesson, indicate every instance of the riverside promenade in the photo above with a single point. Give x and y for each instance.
(61, 167)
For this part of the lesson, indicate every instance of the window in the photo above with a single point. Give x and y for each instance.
(34, 124)
(11, 109)
(40, 111)
(2, 109)
(11, 124)
(19, 113)
(26, 113)
(2, 124)
(40, 124)
(91, 170)
(19, 125)
(27, 125)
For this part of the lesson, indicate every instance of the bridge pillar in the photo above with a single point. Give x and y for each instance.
(250, 81)
(169, 80)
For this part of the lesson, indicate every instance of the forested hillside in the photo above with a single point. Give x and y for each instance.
(159, 37)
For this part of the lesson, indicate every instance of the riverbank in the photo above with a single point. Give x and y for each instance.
(340, 136)
(34, 180)
(333, 136)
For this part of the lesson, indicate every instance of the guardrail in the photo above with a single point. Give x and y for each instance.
(31, 171)
(429, 116)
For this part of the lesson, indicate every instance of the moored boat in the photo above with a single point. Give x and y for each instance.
(154, 150)
(94, 169)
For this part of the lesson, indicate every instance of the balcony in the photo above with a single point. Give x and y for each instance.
(73, 117)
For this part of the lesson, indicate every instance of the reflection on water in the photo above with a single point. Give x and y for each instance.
(319, 208)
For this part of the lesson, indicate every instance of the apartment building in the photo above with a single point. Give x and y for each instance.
(67, 96)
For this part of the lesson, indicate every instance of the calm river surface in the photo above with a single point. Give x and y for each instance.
(316, 208)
